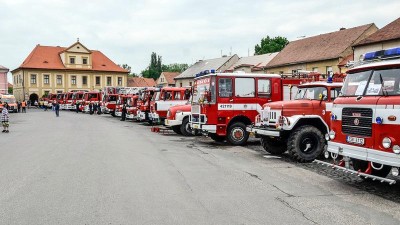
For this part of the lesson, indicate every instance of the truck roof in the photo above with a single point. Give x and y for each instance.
(262, 75)
(322, 83)
(382, 63)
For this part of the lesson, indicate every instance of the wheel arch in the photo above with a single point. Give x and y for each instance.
(313, 121)
(240, 118)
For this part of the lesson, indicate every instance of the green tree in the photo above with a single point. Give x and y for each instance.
(10, 90)
(155, 68)
(175, 67)
(269, 45)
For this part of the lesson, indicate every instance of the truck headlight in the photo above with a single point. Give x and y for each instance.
(332, 134)
(396, 149)
(386, 142)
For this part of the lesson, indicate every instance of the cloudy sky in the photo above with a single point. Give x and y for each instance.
(181, 31)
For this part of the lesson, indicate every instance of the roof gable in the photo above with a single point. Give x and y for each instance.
(202, 65)
(77, 47)
(141, 82)
(387, 33)
(169, 76)
(321, 47)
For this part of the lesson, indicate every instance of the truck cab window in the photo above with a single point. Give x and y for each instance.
(244, 87)
(225, 87)
(264, 88)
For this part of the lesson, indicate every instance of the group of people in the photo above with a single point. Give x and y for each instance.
(21, 106)
(94, 108)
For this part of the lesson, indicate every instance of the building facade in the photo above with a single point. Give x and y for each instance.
(3, 80)
(49, 69)
(166, 79)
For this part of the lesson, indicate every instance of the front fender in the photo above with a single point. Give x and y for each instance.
(294, 120)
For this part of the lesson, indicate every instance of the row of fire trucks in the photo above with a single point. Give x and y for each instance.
(349, 118)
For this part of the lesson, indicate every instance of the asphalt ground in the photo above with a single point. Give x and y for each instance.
(91, 169)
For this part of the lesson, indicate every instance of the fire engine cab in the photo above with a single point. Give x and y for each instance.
(300, 125)
(224, 103)
(145, 100)
(166, 98)
(366, 117)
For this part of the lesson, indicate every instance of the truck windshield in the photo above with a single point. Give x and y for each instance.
(156, 96)
(372, 83)
(201, 87)
(312, 93)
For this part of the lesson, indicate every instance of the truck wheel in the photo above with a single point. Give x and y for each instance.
(186, 130)
(361, 165)
(217, 138)
(237, 134)
(306, 143)
(273, 146)
(176, 129)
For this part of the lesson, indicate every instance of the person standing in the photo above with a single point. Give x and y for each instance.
(5, 118)
(57, 109)
(23, 106)
(123, 116)
(91, 108)
(77, 106)
(19, 106)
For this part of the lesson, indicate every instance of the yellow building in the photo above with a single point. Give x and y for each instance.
(50, 69)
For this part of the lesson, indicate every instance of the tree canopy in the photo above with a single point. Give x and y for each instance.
(269, 45)
(129, 69)
(156, 67)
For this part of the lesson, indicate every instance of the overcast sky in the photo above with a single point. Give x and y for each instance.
(181, 31)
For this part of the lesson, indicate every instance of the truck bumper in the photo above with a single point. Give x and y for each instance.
(130, 116)
(171, 123)
(204, 128)
(258, 131)
(362, 153)
(118, 114)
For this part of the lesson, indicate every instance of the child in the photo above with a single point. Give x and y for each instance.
(4, 118)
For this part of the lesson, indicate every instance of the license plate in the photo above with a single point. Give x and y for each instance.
(195, 126)
(355, 140)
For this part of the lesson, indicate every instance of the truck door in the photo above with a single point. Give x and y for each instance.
(225, 100)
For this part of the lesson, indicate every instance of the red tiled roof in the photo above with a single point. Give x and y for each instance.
(346, 59)
(320, 47)
(141, 82)
(10, 85)
(169, 76)
(48, 57)
(386, 33)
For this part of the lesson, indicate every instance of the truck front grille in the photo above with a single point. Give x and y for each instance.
(357, 121)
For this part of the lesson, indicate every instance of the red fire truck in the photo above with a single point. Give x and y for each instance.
(51, 99)
(224, 103)
(66, 104)
(60, 98)
(299, 125)
(77, 98)
(364, 121)
(122, 99)
(145, 100)
(164, 99)
(90, 97)
(132, 108)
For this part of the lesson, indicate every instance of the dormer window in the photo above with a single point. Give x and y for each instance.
(71, 60)
(84, 61)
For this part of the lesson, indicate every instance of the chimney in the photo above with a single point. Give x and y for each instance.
(342, 28)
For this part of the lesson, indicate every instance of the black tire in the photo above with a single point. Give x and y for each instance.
(113, 114)
(361, 165)
(176, 129)
(186, 130)
(273, 146)
(217, 138)
(306, 143)
(237, 134)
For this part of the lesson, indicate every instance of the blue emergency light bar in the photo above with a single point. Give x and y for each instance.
(381, 54)
(205, 72)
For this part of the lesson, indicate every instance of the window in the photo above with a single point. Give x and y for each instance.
(280, 72)
(84, 61)
(244, 87)
(73, 80)
(46, 79)
(71, 60)
(180, 84)
(315, 69)
(190, 84)
(108, 81)
(119, 81)
(263, 88)
(33, 78)
(162, 79)
(84, 80)
(177, 95)
(59, 79)
(335, 93)
(225, 87)
(98, 81)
